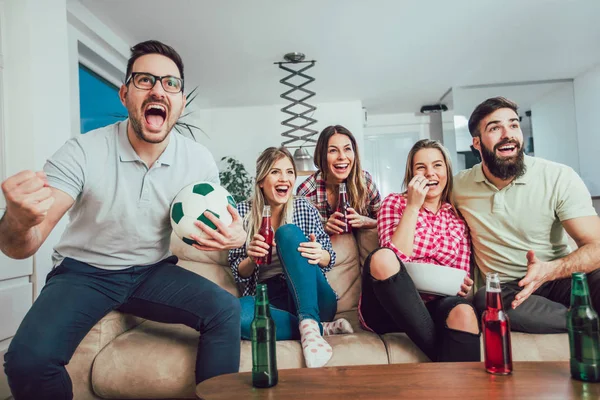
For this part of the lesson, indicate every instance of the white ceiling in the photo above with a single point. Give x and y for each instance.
(392, 55)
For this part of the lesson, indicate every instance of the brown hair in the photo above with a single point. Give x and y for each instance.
(153, 47)
(355, 183)
(430, 144)
(486, 108)
(264, 163)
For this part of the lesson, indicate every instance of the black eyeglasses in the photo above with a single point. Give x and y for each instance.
(146, 81)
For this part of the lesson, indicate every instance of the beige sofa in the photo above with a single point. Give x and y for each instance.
(128, 357)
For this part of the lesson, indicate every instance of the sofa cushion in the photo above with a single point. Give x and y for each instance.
(367, 241)
(531, 347)
(344, 277)
(156, 360)
(212, 265)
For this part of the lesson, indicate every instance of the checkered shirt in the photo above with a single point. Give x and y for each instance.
(314, 189)
(441, 238)
(306, 217)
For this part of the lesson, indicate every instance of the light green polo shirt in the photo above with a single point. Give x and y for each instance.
(525, 215)
(120, 217)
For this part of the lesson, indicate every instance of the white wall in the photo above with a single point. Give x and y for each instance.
(554, 127)
(244, 132)
(388, 139)
(587, 104)
(36, 123)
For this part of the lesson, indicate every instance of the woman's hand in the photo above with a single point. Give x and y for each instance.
(312, 250)
(257, 248)
(465, 287)
(417, 190)
(355, 219)
(334, 225)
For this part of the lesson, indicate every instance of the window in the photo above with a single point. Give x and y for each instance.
(99, 103)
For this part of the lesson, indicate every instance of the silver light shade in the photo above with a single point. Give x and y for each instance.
(304, 161)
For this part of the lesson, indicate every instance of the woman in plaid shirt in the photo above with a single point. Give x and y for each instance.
(299, 293)
(421, 226)
(337, 159)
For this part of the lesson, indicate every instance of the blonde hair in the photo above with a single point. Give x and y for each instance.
(356, 185)
(264, 163)
(430, 144)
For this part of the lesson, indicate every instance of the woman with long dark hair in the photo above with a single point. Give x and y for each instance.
(337, 160)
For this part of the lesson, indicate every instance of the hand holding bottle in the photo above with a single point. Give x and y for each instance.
(258, 247)
(334, 224)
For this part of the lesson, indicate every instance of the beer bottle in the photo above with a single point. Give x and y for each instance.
(496, 329)
(262, 334)
(342, 207)
(266, 230)
(584, 334)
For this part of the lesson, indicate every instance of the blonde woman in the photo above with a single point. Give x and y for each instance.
(298, 291)
(337, 160)
(421, 226)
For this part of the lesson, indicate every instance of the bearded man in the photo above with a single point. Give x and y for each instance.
(519, 210)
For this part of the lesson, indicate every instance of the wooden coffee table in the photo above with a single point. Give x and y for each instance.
(529, 380)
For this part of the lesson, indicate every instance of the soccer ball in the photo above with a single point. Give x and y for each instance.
(191, 203)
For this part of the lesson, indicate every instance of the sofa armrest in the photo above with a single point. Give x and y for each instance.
(105, 331)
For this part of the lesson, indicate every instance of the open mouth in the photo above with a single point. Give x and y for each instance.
(155, 115)
(432, 184)
(507, 149)
(282, 190)
(341, 167)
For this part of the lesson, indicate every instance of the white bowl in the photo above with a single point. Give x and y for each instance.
(436, 279)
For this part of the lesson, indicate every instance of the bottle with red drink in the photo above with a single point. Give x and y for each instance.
(342, 207)
(267, 232)
(496, 330)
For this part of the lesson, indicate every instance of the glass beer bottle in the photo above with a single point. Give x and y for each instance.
(584, 333)
(496, 330)
(262, 335)
(267, 232)
(342, 207)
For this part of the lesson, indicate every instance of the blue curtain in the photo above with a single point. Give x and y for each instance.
(99, 102)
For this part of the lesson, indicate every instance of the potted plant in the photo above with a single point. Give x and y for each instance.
(235, 178)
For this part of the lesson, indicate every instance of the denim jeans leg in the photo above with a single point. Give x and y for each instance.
(286, 324)
(301, 276)
(75, 297)
(172, 294)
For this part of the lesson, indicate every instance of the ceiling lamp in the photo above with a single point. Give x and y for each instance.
(299, 135)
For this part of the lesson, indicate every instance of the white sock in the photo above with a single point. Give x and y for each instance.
(337, 327)
(316, 350)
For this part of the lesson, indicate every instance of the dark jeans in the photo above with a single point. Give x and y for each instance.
(545, 311)
(394, 305)
(77, 295)
(301, 292)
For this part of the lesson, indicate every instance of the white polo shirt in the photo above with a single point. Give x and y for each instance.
(120, 217)
(525, 215)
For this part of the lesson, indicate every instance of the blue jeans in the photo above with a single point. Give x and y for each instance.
(301, 292)
(77, 295)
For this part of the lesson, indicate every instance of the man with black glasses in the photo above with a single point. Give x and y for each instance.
(118, 183)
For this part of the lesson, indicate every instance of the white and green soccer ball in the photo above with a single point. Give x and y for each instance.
(191, 203)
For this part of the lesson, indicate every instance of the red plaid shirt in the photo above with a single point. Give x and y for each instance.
(314, 189)
(441, 239)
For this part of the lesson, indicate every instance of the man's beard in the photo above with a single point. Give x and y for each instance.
(504, 168)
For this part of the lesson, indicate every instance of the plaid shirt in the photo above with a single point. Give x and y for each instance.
(305, 217)
(441, 238)
(314, 189)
